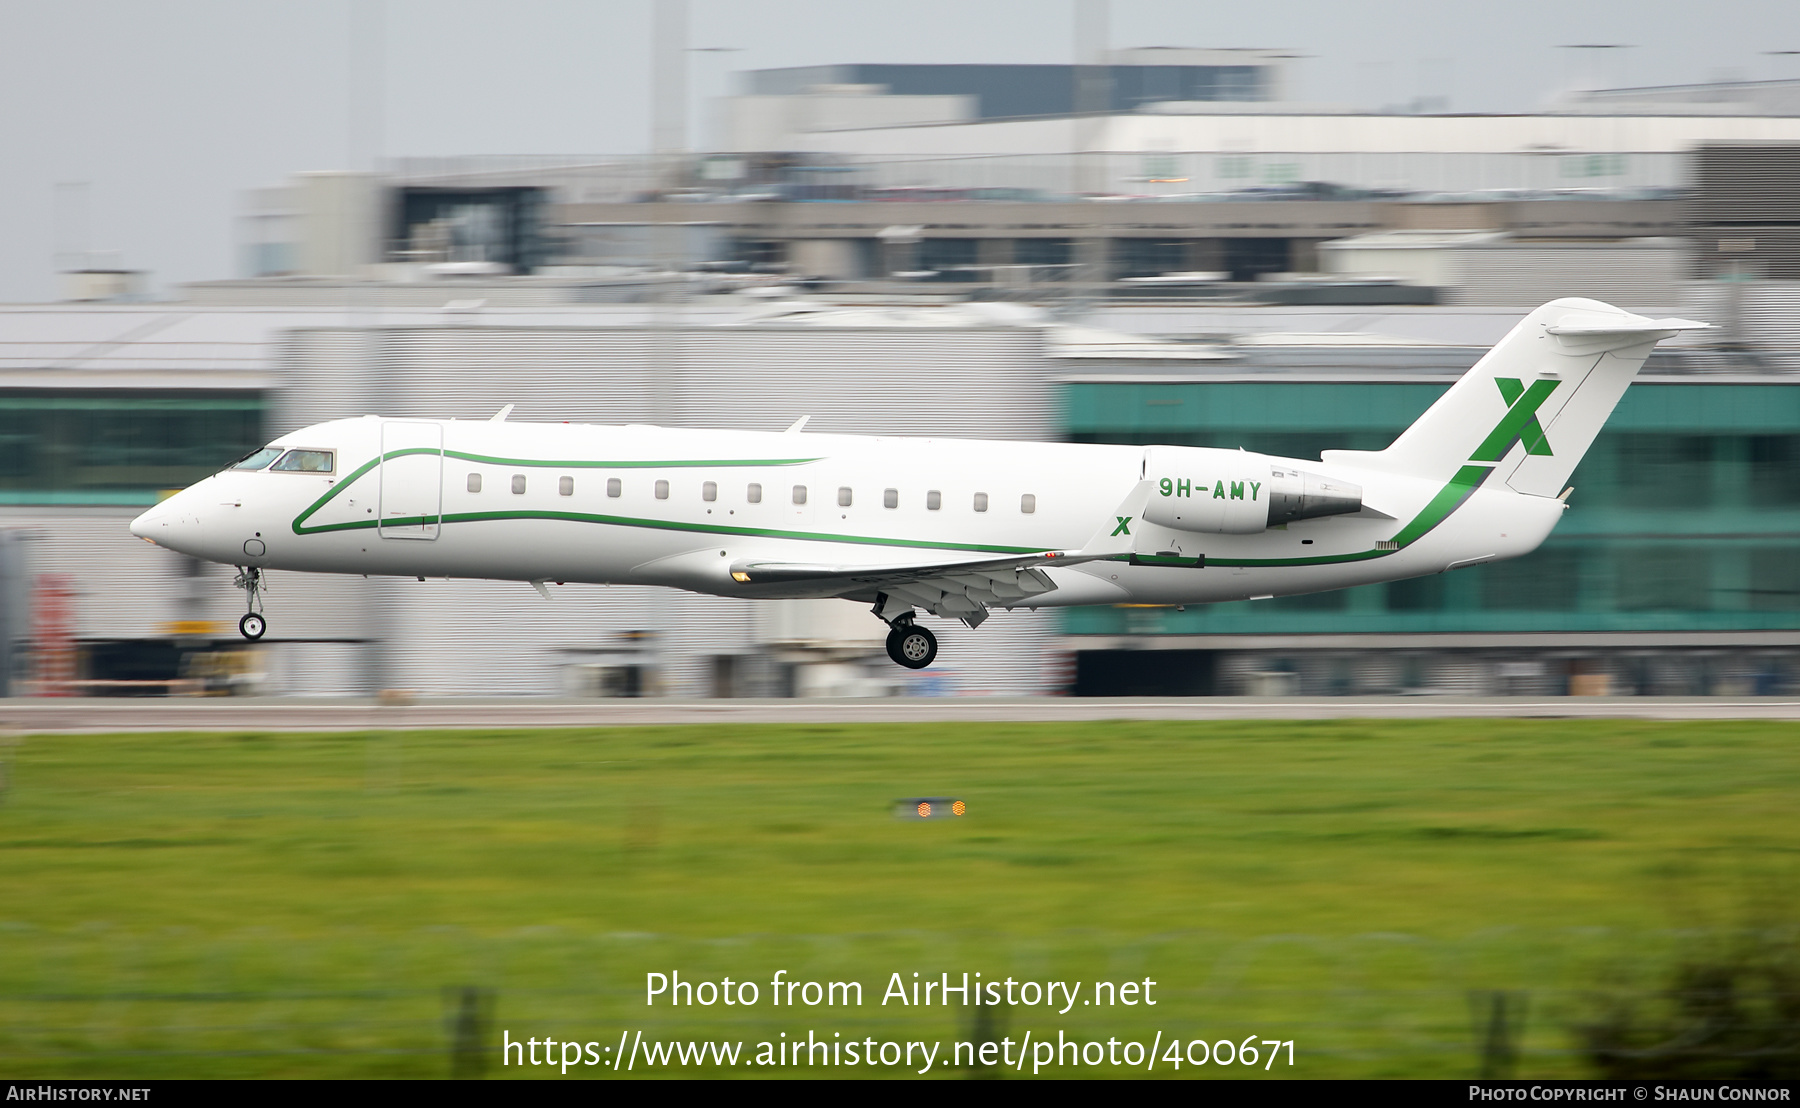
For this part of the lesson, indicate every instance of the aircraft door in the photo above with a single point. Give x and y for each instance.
(411, 499)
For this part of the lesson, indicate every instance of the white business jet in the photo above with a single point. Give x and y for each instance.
(954, 528)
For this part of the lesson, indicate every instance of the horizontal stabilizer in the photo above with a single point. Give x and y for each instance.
(1614, 325)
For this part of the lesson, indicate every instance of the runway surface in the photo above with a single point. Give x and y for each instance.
(72, 715)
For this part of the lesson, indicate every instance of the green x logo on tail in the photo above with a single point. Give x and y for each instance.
(1520, 421)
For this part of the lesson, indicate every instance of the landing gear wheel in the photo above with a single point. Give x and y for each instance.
(253, 625)
(912, 646)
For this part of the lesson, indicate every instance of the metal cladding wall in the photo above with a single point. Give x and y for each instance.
(1759, 322)
(479, 637)
(1745, 183)
(1744, 209)
(128, 589)
(123, 587)
(1641, 276)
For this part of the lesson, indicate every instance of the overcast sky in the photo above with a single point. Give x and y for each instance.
(167, 109)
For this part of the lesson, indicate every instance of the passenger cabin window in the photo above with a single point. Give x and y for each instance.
(934, 500)
(614, 487)
(1028, 503)
(304, 461)
(981, 501)
(474, 482)
(754, 493)
(890, 498)
(799, 494)
(257, 459)
(844, 496)
(565, 486)
(518, 484)
(662, 490)
(709, 491)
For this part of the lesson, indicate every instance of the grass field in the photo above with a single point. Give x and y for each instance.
(302, 905)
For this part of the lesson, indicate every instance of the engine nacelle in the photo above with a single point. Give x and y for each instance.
(1234, 492)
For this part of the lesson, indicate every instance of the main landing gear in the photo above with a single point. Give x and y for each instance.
(910, 645)
(252, 626)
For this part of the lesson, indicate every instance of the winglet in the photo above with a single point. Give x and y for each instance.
(500, 416)
(799, 426)
(542, 591)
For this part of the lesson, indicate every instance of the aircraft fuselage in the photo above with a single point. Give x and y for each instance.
(675, 507)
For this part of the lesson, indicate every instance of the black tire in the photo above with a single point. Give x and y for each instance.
(912, 646)
(252, 626)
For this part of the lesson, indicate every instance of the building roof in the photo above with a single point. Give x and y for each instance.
(1327, 133)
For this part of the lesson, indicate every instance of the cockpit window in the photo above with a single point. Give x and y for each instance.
(257, 459)
(304, 461)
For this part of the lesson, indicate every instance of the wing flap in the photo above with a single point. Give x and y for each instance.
(760, 572)
(958, 587)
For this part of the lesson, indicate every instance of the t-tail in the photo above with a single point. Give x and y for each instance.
(1527, 411)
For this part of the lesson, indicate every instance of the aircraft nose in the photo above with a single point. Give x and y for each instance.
(149, 525)
(172, 524)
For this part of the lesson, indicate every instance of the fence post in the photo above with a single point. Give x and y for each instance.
(470, 1015)
(1499, 1019)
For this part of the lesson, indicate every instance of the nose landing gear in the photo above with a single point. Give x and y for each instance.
(252, 626)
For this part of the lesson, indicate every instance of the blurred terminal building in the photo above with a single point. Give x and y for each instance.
(1159, 250)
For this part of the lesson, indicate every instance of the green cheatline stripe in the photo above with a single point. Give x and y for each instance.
(1315, 560)
(573, 464)
(666, 525)
(1449, 498)
(362, 470)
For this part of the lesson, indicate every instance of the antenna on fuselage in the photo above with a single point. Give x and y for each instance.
(500, 416)
(799, 426)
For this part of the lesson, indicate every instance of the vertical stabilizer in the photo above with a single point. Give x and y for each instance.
(1531, 407)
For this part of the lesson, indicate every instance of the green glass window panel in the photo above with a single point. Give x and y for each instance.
(18, 444)
(1148, 257)
(1683, 514)
(1671, 578)
(1308, 445)
(1043, 251)
(1693, 408)
(1663, 471)
(1544, 580)
(1775, 470)
(1146, 438)
(1335, 601)
(1774, 580)
(1238, 406)
(93, 444)
(1416, 594)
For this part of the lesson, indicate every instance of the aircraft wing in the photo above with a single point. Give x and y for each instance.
(964, 588)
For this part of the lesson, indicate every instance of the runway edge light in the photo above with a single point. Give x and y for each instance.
(929, 807)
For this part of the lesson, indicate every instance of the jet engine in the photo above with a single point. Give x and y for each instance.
(1234, 492)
